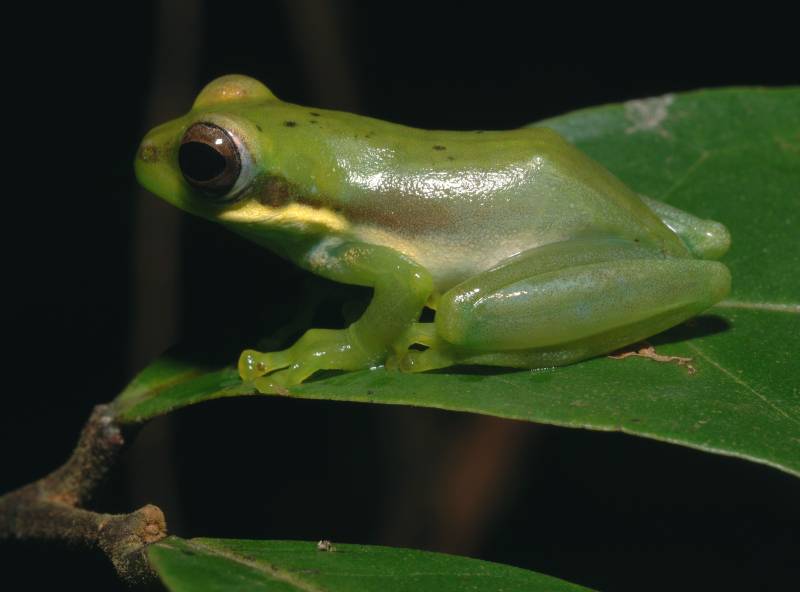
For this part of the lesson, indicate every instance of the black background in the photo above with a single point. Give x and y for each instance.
(81, 86)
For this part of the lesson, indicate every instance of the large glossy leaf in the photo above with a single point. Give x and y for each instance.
(732, 155)
(211, 565)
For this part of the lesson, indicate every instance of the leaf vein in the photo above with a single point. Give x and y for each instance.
(742, 383)
(770, 306)
(264, 568)
(703, 157)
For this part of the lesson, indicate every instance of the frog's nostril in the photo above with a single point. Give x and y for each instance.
(149, 152)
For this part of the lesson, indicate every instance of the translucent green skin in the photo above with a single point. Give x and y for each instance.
(531, 253)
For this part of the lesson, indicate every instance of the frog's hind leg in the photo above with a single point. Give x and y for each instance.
(567, 301)
(436, 352)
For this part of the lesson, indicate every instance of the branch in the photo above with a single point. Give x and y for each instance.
(50, 508)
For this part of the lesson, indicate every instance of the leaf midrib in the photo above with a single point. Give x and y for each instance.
(766, 306)
(270, 571)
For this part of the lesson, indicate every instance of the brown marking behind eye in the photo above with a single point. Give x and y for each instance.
(419, 217)
(275, 191)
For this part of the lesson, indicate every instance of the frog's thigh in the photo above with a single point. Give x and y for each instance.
(615, 289)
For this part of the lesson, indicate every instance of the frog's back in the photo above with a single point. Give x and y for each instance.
(458, 202)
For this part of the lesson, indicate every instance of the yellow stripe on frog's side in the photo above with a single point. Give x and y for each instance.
(290, 214)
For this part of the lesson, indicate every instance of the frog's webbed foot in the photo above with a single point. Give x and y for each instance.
(317, 349)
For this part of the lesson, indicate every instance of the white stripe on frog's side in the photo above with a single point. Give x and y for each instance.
(293, 214)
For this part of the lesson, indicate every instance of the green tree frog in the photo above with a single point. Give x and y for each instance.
(530, 253)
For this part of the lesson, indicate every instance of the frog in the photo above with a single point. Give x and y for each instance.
(529, 253)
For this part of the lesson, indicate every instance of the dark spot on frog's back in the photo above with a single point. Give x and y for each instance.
(258, 127)
(290, 123)
(315, 114)
(439, 147)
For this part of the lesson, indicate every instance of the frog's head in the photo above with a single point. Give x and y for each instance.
(204, 161)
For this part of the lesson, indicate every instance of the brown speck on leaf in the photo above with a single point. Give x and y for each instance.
(646, 350)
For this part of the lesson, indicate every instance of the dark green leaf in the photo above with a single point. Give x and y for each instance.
(176, 379)
(210, 565)
(732, 155)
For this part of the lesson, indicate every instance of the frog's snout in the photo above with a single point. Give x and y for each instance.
(154, 163)
(146, 163)
(148, 152)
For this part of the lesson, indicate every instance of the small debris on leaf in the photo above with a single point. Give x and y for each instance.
(326, 546)
(648, 351)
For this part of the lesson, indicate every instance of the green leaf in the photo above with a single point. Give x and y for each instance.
(732, 155)
(209, 565)
(177, 379)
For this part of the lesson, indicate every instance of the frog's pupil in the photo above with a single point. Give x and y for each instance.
(200, 162)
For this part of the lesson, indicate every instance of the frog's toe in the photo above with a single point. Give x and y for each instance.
(253, 364)
(271, 385)
(278, 383)
(420, 361)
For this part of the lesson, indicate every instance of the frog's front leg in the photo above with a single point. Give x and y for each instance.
(401, 288)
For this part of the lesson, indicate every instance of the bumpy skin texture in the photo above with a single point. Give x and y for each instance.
(532, 254)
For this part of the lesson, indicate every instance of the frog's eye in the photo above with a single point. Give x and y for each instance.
(211, 160)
